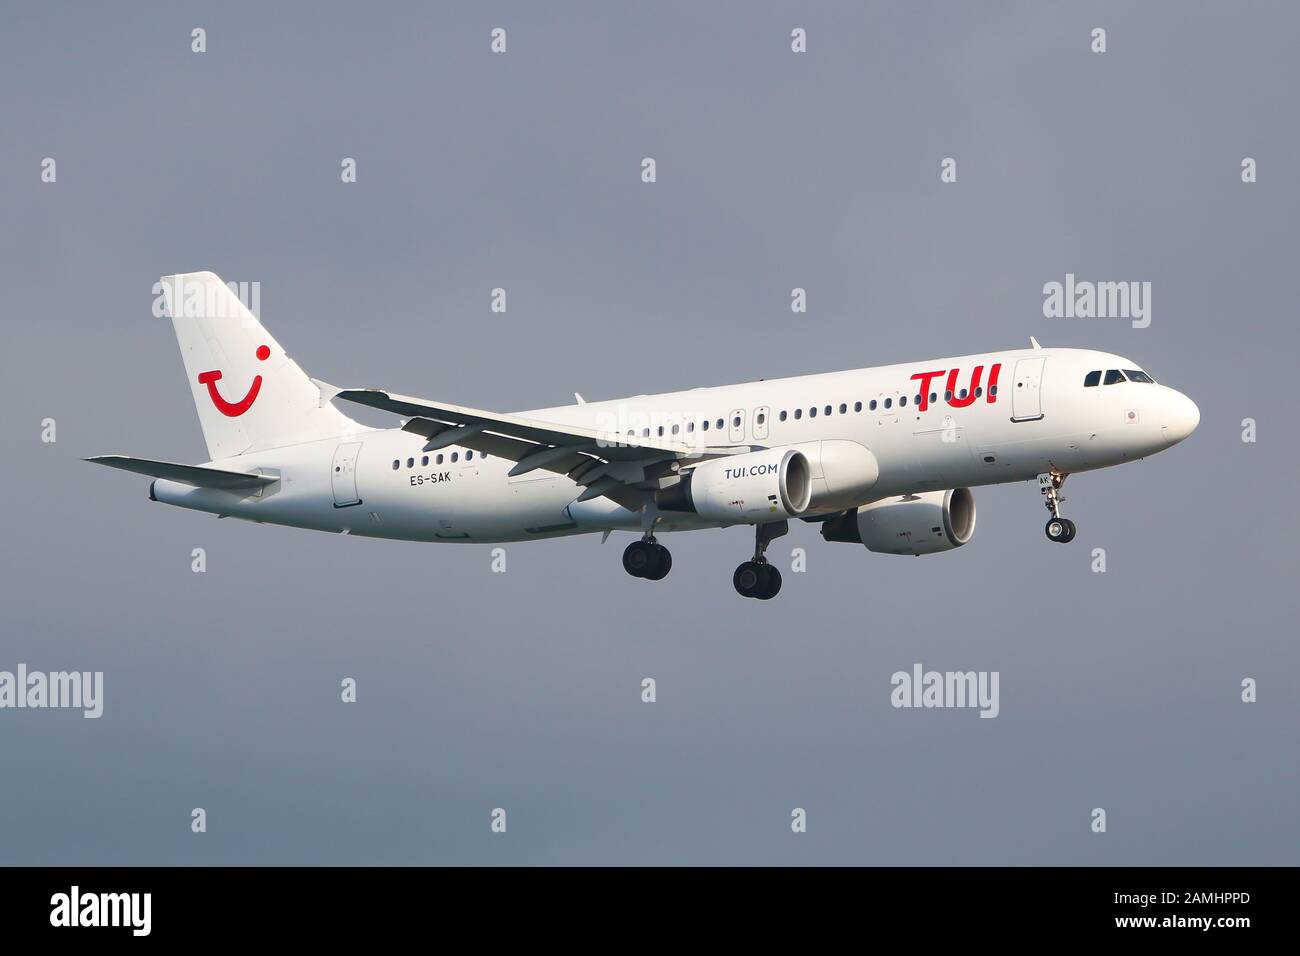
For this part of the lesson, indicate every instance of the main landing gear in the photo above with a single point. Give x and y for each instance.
(1060, 530)
(647, 559)
(756, 578)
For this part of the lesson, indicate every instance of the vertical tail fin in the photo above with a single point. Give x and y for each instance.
(249, 394)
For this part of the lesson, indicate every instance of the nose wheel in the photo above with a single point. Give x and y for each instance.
(1058, 529)
(756, 578)
(647, 559)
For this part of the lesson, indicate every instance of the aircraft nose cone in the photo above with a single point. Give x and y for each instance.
(1180, 419)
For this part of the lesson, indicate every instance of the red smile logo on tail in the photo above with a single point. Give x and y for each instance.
(234, 409)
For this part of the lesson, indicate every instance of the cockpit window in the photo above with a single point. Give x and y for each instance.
(1114, 376)
(1137, 375)
(1092, 379)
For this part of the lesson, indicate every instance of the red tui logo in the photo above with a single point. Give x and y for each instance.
(951, 395)
(234, 409)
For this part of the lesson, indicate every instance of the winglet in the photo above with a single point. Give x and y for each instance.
(581, 400)
(1033, 342)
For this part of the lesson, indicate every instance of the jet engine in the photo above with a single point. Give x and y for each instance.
(925, 523)
(770, 485)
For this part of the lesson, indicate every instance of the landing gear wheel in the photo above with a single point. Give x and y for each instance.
(663, 563)
(1060, 530)
(757, 579)
(748, 579)
(647, 559)
(771, 583)
(638, 558)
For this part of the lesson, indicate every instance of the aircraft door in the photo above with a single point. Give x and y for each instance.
(1026, 393)
(344, 475)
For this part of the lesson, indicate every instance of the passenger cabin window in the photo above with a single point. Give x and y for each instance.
(410, 463)
(783, 415)
(424, 461)
(760, 418)
(736, 422)
(812, 412)
(704, 426)
(889, 403)
(397, 463)
(857, 406)
(1114, 376)
(720, 422)
(933, 397)
(843, 408)
(1092, 379)
(438, 461)
(798, 414)
(828, 409)
(1137, 375)
(873, 405)
(902, 401)
(469, 456)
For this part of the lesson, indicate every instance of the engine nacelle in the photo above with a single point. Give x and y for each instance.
(927, 523)
(843, 473)
(759, 486)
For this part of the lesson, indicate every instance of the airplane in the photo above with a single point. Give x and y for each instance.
(883, 457)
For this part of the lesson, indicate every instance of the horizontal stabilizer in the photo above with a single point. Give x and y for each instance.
(195, 475)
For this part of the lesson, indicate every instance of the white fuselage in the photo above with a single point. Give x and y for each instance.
(379, 482)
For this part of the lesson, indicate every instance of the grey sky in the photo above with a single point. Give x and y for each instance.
(775, 170)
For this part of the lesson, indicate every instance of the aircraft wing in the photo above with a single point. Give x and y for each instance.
(196, 475)
(619, 467)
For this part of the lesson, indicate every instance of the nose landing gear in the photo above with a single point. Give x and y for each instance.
(756, 578)
(1058, 529)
